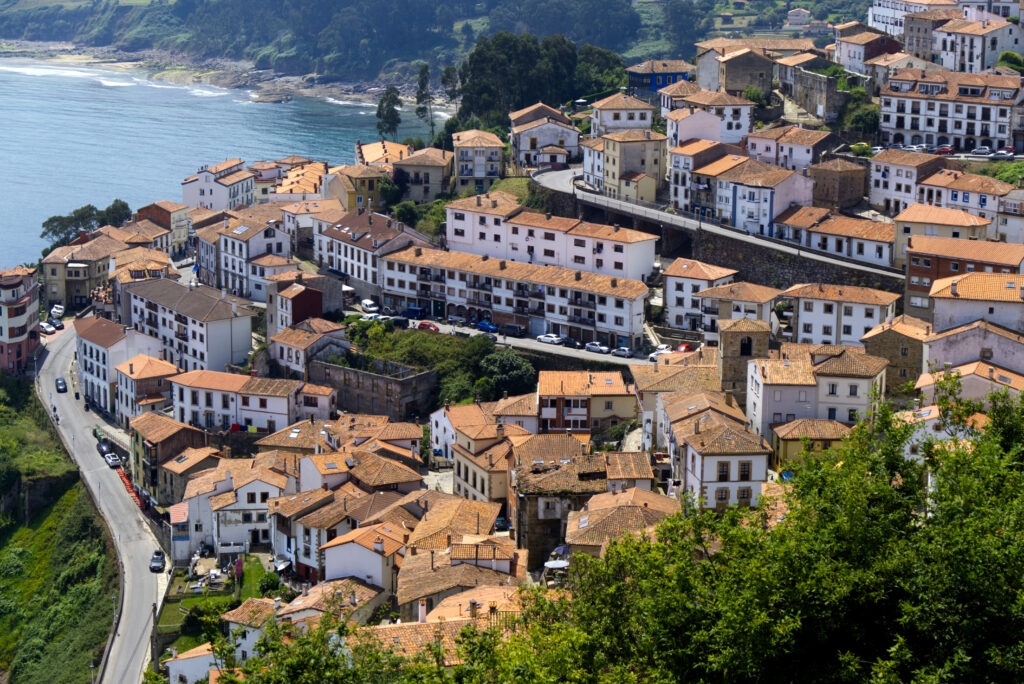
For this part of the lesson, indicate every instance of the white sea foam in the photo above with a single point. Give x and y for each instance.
(202, 92)
(40, 70)
(114, 84)
(349, 103)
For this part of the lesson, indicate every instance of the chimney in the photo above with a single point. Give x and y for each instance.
(579, 276)
(378, 545)
(728, 399)
(501, 266)
(352, 595)
(405, 538)
(696, 427)
(423, 610)
(431, 560)
(418, 251)
(952, 289)
(448, 541)
(504, 395)
(223, 293)
(174, 651)
(298, 278)
(499, 431)
(615, 282)
(252, 372)
(277, 603)
(472, 609)
(131, 366)
(991, 373)
(616, 228)
(226, 451)
(305, 588)
(494, 204)
(547, 216)
(225, 223)
(234, 307)
(479, 201)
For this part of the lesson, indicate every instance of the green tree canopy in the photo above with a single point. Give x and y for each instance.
(388, 116)
(60, 230)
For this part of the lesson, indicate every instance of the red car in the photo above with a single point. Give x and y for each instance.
(945, 149)
(427, 325)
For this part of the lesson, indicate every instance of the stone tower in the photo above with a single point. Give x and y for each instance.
(739, 341)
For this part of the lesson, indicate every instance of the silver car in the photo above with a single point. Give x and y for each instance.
(597, 348)
(624, 352)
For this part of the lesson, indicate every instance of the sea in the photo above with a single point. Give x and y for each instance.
(74, 135)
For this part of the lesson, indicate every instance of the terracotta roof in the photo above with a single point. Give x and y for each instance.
(321, 325)
(501, 268)
(142, 366)
(634, 135)
(621, 101)
(491, 430)
(905, 325)
(384, 152)
(999, 253)
(941, 13)
(837, 164)
(680, 88)
(797, 59)
(741, 292)
(792, 135)
(496, 203)
(721, 165)
(521, 405)
(726, 436)
(661, 66)
(744, 325)
(863, 38)
(986, 371)
(305, 435)
(847, 226)
(503, 598)
(841, 293)
(989, 287)
(201, 651)
(708, 98)
(300, 503)
(99, 331)
(547, 121)
(212, 380)
(363, 229)
(536, 111)
(254, 612)
(557, 464)
(777, 44)
(756, 173)
(178, 513)
(270, 387)
(390, 539)
(580, 383)
(453, 518)
(903, 157)
(924, 213)
(683, 409)
(156, 427)
(189, 459)
(236, 177)
(411, 639)
(335, 593)
(475, 138)
(885, 59)
(691, 268)
(606, 232)
(949, 83)
(659, 378)
(812, 429)
(545, 221)
(609, 516)
(200, 302)
(375, 471)
(973, 28)
(981, 324)
(296, 338)
(312, 206)
(849, 364)
(786, 371)
(425, 574)
(596, 144)
(319, 390)
(968, 182)
(803, 217)
(628, 465)
(428, 156)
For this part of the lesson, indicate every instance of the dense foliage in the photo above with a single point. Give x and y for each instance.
(858, 572)
(1006, 171)
(608, 23)
(60, 230)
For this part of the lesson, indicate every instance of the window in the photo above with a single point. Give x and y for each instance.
(847, 310)
(607, 406)
(832, 413)
(852, 416)
(723, 472)
(745, 471)
(847, 330)
(263, 402)
(833, 389)
(250, 497)
(245, 400)
(904, 351)
(853, 390)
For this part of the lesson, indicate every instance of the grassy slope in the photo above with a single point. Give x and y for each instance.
(57, 578)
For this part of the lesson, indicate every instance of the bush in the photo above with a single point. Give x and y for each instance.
(269, 584)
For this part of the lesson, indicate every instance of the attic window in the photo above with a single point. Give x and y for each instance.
(608, 381)
(582, 525)
(181, 459)
(585, 518)
(1010, 285)
(1003, 379)
(332, 465)
(922, 413)
(565, 461)
(538, 461)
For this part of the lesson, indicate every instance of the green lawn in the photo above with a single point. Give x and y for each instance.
(516, 186)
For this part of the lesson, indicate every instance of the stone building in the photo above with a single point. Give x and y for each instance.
(383, 387)
(739, 341)
(838, 183)
(901, 341)
(820, 95)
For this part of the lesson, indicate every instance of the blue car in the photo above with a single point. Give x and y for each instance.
(486, 326)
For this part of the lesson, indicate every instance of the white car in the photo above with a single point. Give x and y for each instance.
(369, 306)
(653, 356)
(57, 311)
(46, 328)
(877, 150)
(624, 352)
(549, 338)
(597, 347)
(370, 317)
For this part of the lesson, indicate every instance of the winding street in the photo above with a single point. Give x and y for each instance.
(129, 650)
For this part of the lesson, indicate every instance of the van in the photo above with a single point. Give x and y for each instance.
(512, 330)
(414, 312)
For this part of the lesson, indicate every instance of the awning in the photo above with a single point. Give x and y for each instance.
(282, 565)
(346, 288)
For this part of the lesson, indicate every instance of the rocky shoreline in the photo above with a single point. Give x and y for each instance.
(265, 85)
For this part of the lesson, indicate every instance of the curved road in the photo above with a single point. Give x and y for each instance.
(135, 543)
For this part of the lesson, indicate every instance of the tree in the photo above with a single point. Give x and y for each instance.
(388, 117)
(450, 82)
(509, 371)
(60, 230)
(424, 101)
(390, 192)
(754, 94)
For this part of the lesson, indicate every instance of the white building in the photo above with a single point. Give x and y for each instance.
(373, 553)
(246, 624)
(870, 242)
(100, 347)
(950, 108)
(970, 192)
(684, 278)
(853, 50)
(687, 123)
(192, 666)
(828, 382)
(564, 301)
(197, 327)
(790, 147)
(445, 421)
(593, 163)
(143, 384)
(750, 194)
(478, 159)
(496, 225)
(887, 15)
(978, 380)
(735, 113)
(895, 175)
(219, 187)
(973, 46)
(539, 126)
(978, 340)
(996, 297)
(241, 243)
(216, 400)
(837, 314)
(735, 300)
(688, 156)
(297, 219)
(620, 112)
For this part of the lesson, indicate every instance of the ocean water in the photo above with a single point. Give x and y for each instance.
(76, 135)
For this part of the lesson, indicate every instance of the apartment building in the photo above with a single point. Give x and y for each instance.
(593, 163)
(633, 163)
(351, 243)
(950, 108)
(888, 15)
(670, 97)
(973, 46)
(537, 127)
(649, 77)
(1010, 216)
(583, 401)
(355, 186)
(478, 159)
(156, 440)
(735, 300)
(197, 327)
(240, 243)
(217, 400)
(294, 347)
(142, 384)
(222, 186)
(837, 314)
(381, 152)
(859, 239)
(101, 346)
(688, 156)
(687, 123)
(297, 221)
(919, 28)
(428, 173)
(620, 112)
(853, 50)
(684, 278)
(790, 147)
(829, 382)
(895, 175)
(71, 273)
(170, 216)
(587, 306)
(978, 340)
(901, 341)
(970, 192)
(735, 112)
(932, 258)
(497, 225)
(996, 297)
(293, 297)
(921, 219)
(19, 318)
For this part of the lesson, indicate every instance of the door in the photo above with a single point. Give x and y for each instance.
(254, 537)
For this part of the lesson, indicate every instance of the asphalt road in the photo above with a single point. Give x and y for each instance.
(129, 653)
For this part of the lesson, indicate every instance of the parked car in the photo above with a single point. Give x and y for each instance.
(549, 338)
(427, 325)
(876, 150)
(56, 323)
(457, 320)
(1001, 154)
(684, 348)
(369, 306)
(486, 326)
(46, 328)
(416, 312)
(156, 563)
(571, 342)
(983, 151)
(894, 146)
(945, 150)
(916, 148)
(61, 385)
(513, 330)
(112, 460)
(491, 336)
(1007, 149)
(104, 447)
(57, 311)
(624, 352)
(596, 347)
(653, 356)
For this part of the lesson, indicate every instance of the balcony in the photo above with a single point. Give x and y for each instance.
(181, 334)
(151, 321)
(477, 301)
(712, 311)
(547, 412)
(583, 320)
(524, 310)
(424, 277)
(493, 173)
(584, 303)
(536, 310)
(536, 294)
